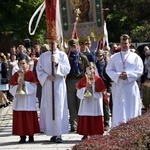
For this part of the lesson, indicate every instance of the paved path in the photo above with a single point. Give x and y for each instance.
(10, 142)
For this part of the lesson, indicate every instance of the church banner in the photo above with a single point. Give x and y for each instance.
(88, 16)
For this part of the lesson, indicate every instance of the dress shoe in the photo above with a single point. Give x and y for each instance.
(53, 139)
(3, 105)
(72, 129)
(31, 139)
(7, 104)
(10, 99)
(58, 140)
(22, 139)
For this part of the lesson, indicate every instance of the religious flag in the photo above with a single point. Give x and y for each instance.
(75, 34)
(100, 44)
(104, 41)
(53, 21)
(54, 33)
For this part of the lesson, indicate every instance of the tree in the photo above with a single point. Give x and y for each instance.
(131, 17)
(15, 16)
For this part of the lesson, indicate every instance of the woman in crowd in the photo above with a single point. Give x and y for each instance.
(4, 86)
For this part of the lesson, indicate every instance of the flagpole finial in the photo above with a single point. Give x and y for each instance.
(77, 12)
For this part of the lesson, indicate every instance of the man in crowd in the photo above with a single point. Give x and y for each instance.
(53, 122)
(124, 68)
(79, 63)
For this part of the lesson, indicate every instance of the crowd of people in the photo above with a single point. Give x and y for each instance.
(77, 84)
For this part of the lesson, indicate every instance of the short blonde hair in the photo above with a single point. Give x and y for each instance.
(44, 48)
(20, 47)
(3, 57)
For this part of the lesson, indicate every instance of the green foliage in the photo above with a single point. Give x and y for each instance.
(15, 16)
(130, 16)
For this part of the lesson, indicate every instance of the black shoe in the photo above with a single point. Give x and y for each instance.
(72, 128)
(58, 140)
(31, 139)
(7, 104)
(53, 139)
(3, 105)
(10, 99)
(23, 139)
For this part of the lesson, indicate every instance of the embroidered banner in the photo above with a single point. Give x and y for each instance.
(51, 19)
(90, 18)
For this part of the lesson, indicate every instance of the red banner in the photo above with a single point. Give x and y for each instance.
(51, 19)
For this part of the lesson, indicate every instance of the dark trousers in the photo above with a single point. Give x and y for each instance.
(106, 114)
(39, 94)
(9, 96)
(111, 104)
(73, 100)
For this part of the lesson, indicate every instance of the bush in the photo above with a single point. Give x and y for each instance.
(135, 134)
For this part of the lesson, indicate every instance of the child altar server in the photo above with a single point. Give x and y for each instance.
(23, 87)
(90, 90)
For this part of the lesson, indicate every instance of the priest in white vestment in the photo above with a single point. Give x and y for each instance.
(59, 125)
(124, 68)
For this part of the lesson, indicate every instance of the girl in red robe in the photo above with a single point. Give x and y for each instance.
(25, 118)
(90, 90)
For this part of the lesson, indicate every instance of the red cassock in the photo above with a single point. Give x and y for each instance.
(25, 122)
(98, 82)
(91, 125)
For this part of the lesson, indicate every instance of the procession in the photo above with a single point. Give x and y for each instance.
(74, 87)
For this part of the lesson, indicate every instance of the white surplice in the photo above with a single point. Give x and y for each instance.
(125, 93)
(92, 106)
(25, 102)
(47, 124)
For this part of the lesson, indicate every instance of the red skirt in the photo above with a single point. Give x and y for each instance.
(25, 123)
(90, 125)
